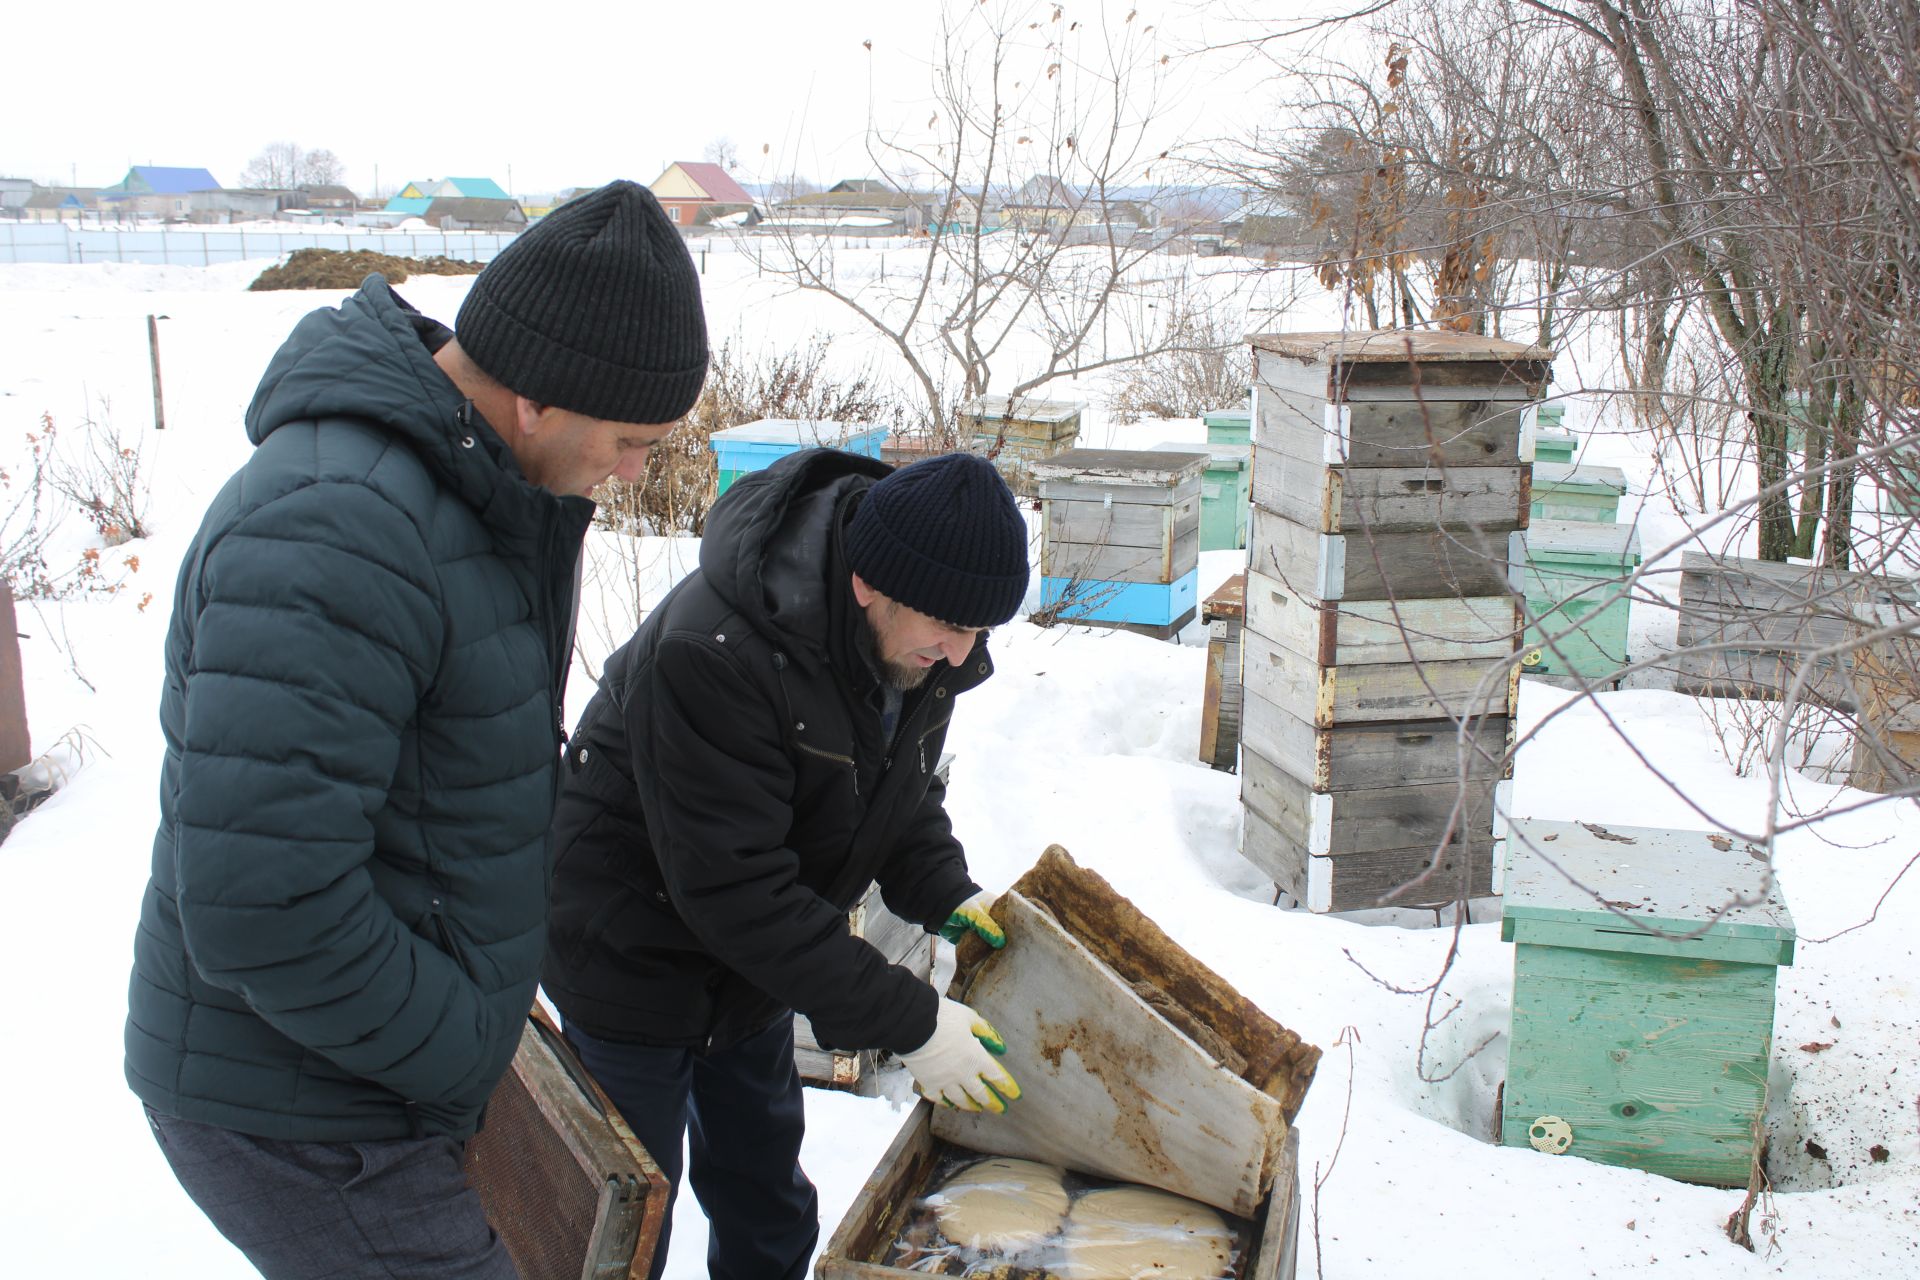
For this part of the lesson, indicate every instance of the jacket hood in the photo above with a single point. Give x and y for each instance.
(371, 358)
(772, 544)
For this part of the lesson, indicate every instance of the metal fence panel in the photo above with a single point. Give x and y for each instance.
(45, 242)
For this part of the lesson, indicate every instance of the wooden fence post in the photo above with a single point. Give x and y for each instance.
(153, 349)
(16, 744)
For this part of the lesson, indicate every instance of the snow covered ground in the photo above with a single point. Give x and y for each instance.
(1086, 739)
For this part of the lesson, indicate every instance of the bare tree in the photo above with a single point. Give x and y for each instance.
(1037, 124)
(282, 166)
(723, 152)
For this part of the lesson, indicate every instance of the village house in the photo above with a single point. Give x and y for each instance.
(412, 200)
(59, 204)
(156, 191)
(694, 194)
(865, 202)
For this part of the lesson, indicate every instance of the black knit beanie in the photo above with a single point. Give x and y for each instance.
(943, 536)
(596, 309)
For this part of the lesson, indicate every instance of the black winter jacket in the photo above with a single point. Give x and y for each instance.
(729, 795)
(342, 932)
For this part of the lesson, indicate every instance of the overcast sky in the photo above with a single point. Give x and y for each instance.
(556, 93)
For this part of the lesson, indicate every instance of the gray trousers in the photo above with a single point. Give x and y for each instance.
(312, 1210)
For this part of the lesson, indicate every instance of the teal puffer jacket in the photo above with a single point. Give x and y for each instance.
(343, 928)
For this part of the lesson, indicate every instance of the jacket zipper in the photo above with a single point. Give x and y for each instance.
(853, 765)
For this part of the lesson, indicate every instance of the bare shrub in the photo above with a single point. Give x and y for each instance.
(101, 476)
(1199, 366)
(102, 481)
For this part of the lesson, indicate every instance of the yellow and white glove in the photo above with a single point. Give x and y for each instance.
(957, 1066)
(973, 914)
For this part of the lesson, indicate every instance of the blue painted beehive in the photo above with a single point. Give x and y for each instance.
(1121, 546)
(758, 445)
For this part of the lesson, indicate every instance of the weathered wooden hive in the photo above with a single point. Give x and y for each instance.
(1225, 613)
(1391, 474)
(1135, 1062)
(1017, 431)
(1643, 996)
(1121, 538)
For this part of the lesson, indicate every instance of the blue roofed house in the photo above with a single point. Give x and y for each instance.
(413, 199)
(156, 191)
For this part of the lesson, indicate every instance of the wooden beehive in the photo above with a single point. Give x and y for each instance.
(1223, 612)
(1645, 963)
(1135, 1061)
(860, 1245)
(1562, 491)
(1886, 671)
(1380, 661)
(1017, 432)
(1766, 621)
(1371, 565)
(1121, 537)
(1226, 490)
(564, 1182)
(1579, 596)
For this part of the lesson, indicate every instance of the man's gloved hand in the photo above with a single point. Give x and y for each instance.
(973, 914)
(957, 1066)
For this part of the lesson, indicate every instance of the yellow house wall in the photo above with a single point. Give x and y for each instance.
(674, 184)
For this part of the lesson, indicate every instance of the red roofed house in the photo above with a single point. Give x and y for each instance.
(694, 194)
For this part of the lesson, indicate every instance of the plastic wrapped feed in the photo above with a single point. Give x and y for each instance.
(1001, 1206)
(1137, 1233)
(1010, 1219)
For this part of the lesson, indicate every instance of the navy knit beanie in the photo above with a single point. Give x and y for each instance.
(595, 308)
(943, 536)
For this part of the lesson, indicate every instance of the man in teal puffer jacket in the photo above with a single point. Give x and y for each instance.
(342, 934)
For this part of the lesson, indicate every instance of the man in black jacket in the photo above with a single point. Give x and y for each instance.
(759, 754)
(342, 934)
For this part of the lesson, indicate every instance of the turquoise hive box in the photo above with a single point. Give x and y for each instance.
(1226, 492)
(1552, 442)
(1576, 574)
(758, 445)
(1643, 1002)
(1229, 426)
(1562, 491)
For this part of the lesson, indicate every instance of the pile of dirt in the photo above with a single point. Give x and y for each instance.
(333, 269)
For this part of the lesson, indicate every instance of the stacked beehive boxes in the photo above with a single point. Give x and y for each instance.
(1390, 472)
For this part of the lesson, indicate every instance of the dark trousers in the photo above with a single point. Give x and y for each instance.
(745, 1113)
(311, 1210)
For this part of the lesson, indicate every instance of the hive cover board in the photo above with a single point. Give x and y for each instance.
(1135, 1061)
(570, 1190)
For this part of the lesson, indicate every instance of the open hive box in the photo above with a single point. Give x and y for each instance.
(1137, 1065)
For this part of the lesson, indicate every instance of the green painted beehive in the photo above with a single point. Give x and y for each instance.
(1576, 575)
(1643, 996)
(1552, 442)
(1562, 491)
(1229, 426)
(1226, 492)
